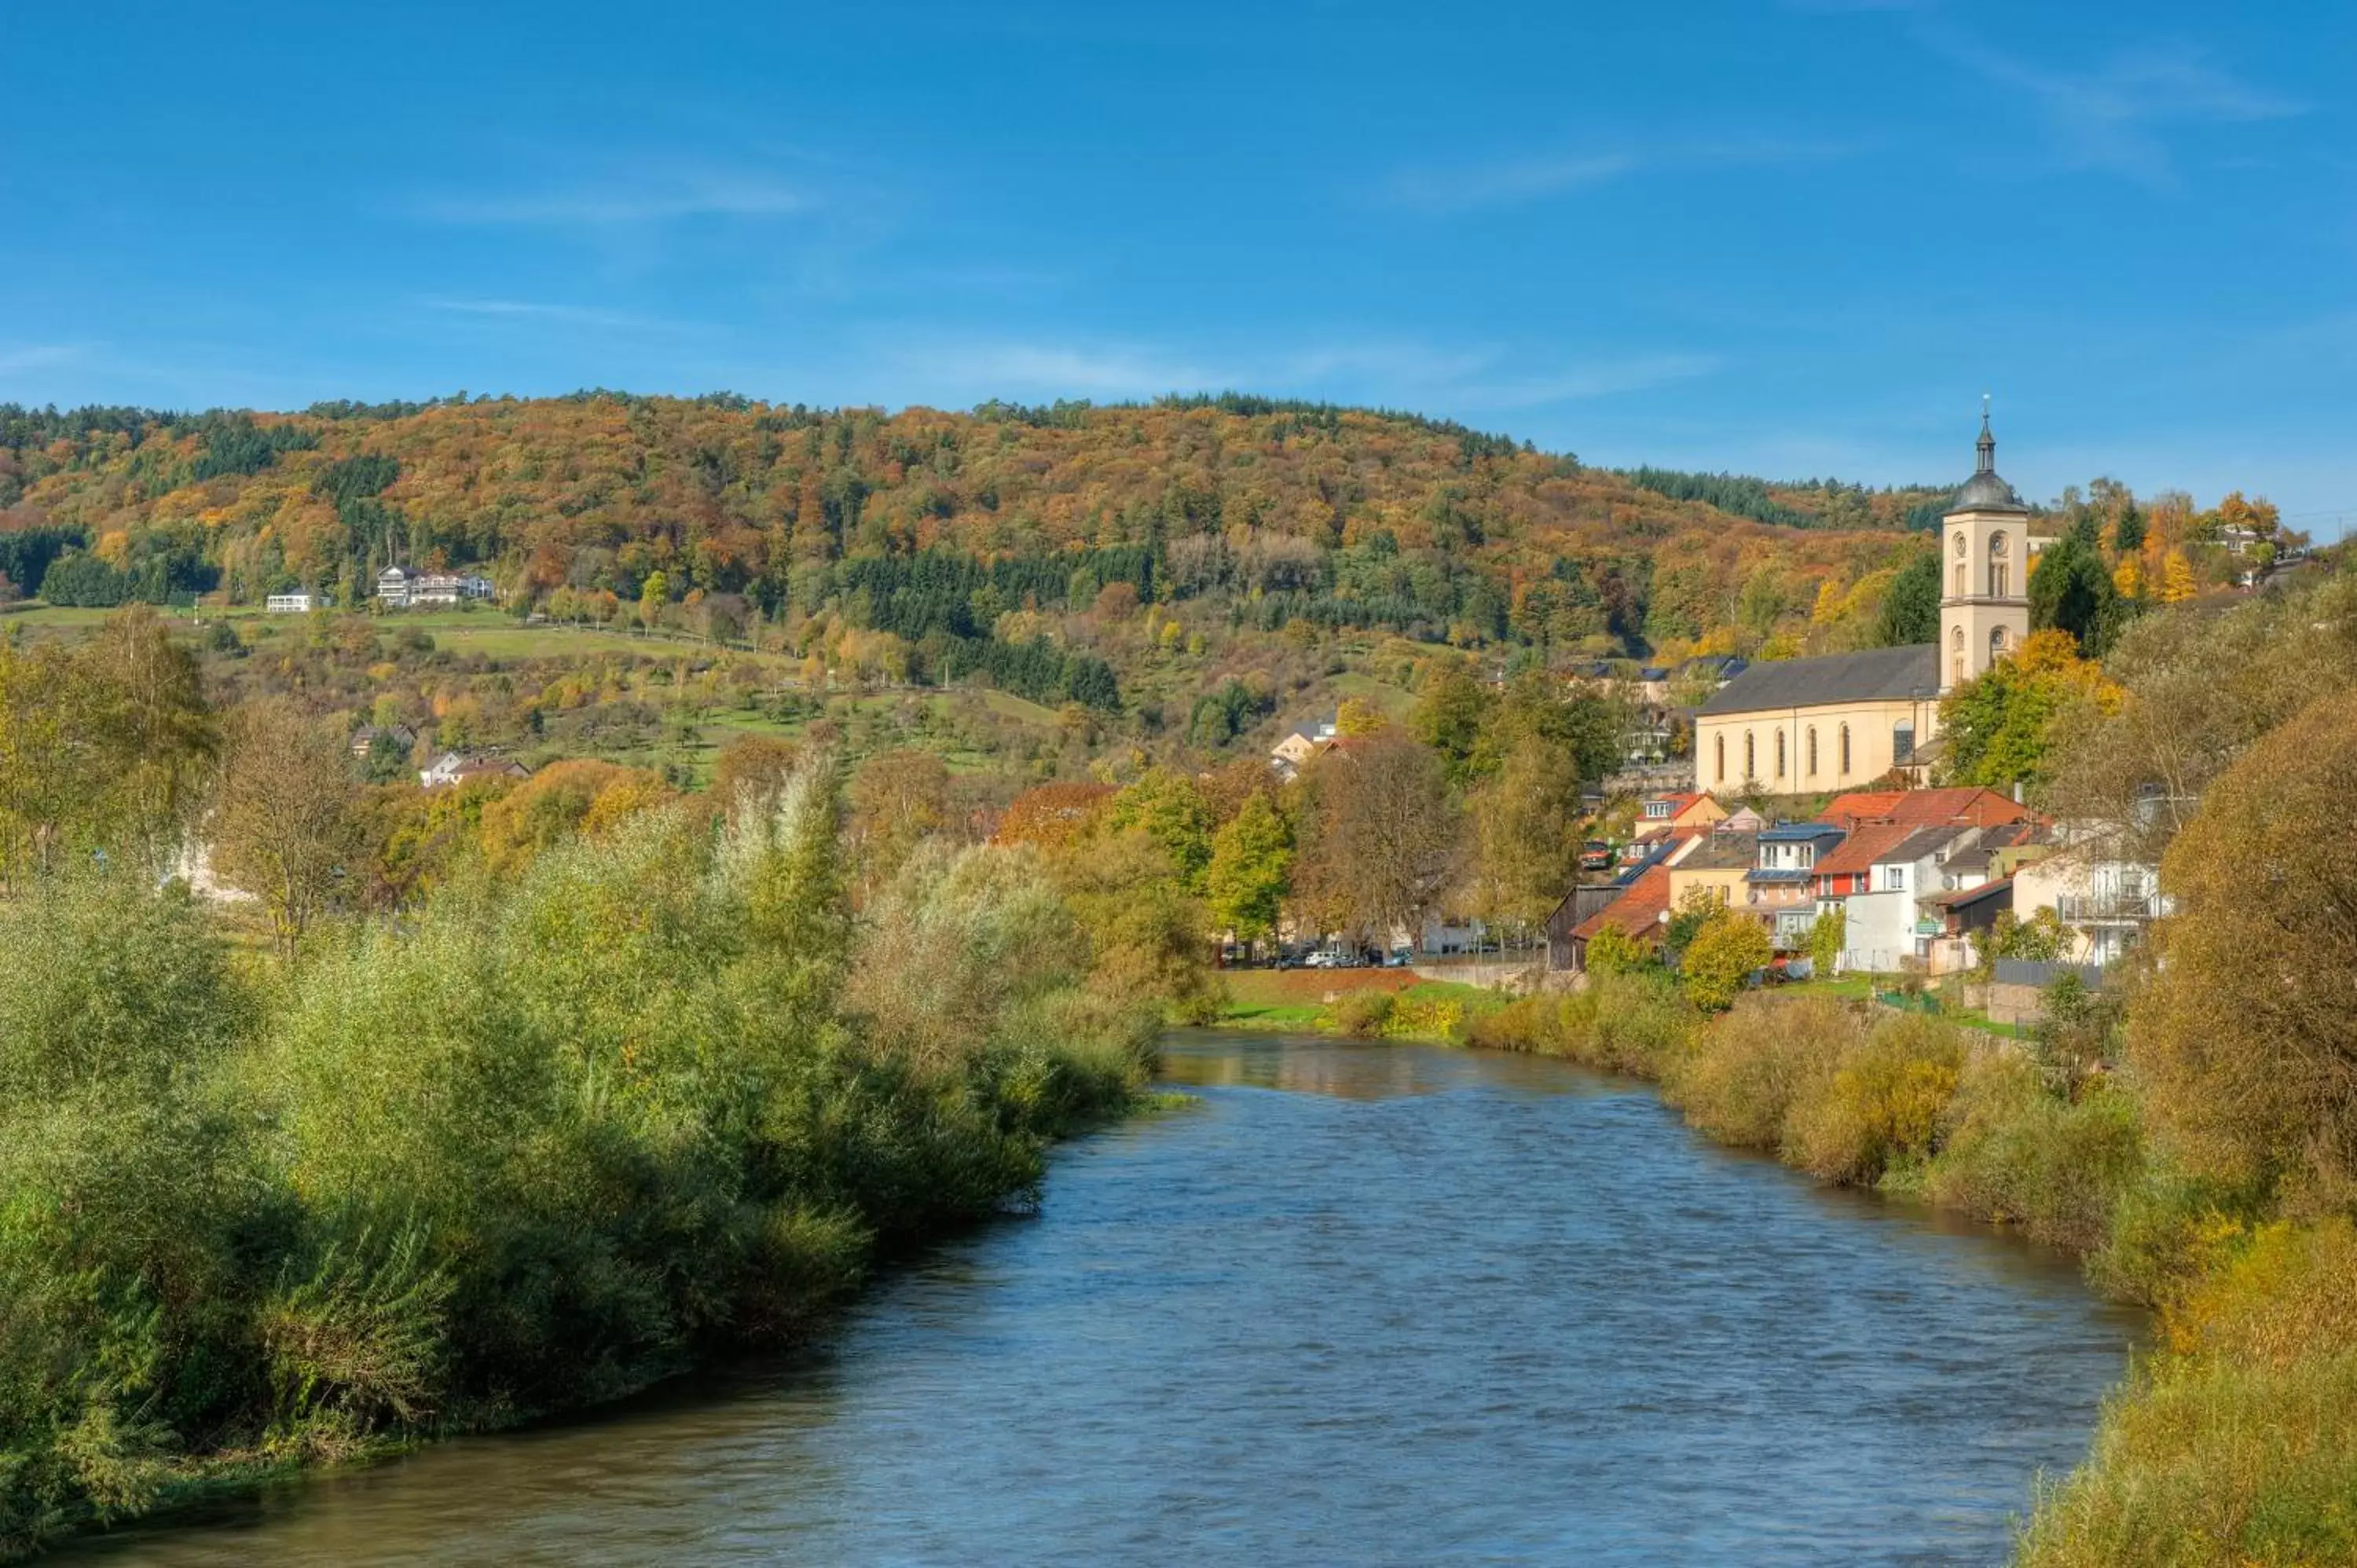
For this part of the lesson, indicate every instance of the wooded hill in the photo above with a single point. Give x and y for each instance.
(925, 524)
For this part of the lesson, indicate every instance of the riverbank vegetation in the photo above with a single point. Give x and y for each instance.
(639, 1079)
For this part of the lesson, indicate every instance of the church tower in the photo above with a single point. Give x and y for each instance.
(1984, 571)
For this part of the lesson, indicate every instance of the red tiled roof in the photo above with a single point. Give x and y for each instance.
(1866, 845)
(1636, 913)
(1923, 808)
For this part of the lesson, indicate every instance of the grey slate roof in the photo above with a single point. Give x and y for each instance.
(1985, 492)
(1875, 674)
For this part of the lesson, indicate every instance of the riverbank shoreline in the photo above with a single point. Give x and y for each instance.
(204, 1483)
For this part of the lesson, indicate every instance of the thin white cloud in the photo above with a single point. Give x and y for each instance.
(523, 310)
(1505, 182)
(623, 201)
(1595, 379)
(1394, 374)
(1113, 370)
(1443, 189)
(36, 357)
(2110, 119)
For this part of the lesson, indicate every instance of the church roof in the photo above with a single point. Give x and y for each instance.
(1877, 674)
(1985, 491)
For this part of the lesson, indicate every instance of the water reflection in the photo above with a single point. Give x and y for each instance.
(1439, 1307)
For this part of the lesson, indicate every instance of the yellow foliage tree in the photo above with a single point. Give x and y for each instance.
(2176, 584)
(2129, 578)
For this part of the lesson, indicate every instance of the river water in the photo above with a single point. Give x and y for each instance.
(1362, 1305)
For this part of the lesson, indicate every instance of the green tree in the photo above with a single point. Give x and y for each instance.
(1910, 606)
(1613, 952)
(1250, 870)
(1169, 809)
(1448, 718)
(2128, 532)
(1723, 955)
(1826, 937)
(2072, 590)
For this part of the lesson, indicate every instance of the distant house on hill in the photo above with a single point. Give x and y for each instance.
(1290, 755)
(364, 738)
(455, 768)
(397, 588)
(293, 603)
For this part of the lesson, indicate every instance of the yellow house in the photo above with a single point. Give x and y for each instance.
(1799, 726)
(1716, 867)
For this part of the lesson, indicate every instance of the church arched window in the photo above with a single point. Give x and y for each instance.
(1780, 753)
(1956, 657)
(1902, 742)
(1844, 751)
(1750, 757)
(1719, 744)
(1812, 751)
(2000, 570)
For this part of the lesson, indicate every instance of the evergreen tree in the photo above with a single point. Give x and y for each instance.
(1911, 609)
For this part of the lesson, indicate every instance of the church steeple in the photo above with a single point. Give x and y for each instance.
(1985, 609)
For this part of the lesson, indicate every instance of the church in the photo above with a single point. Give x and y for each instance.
(1800, 726)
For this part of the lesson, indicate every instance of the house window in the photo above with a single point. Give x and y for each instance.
(1844, 750)
(1719, 743)
(1902, 742)
(1812, 751)
(1780, 753)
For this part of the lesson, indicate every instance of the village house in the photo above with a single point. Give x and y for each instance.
(1635, 902)
(456, 767)
(1801, 725)
(1716, 868)
(2107, 904)
(364, 738)
(1688, 809)
(293, 603)
(1780, 886)
(1290, 755)
(399, 589)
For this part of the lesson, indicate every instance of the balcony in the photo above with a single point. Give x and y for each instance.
(2110, 908)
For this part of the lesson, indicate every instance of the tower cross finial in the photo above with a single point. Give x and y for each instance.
(1987, 445)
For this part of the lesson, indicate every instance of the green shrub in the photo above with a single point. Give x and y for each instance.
(1362, 1015)
(2015, 1152)
(1881, 1108)
(1746, 1072)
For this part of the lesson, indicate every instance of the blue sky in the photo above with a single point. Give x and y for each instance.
(1787, 238)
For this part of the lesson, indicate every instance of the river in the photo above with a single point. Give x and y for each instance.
(1363, 1304)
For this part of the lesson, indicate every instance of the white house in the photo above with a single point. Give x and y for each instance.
(288, 604)
(456, 767)
(399, 589)
(2106, 902)
(1884, 925)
